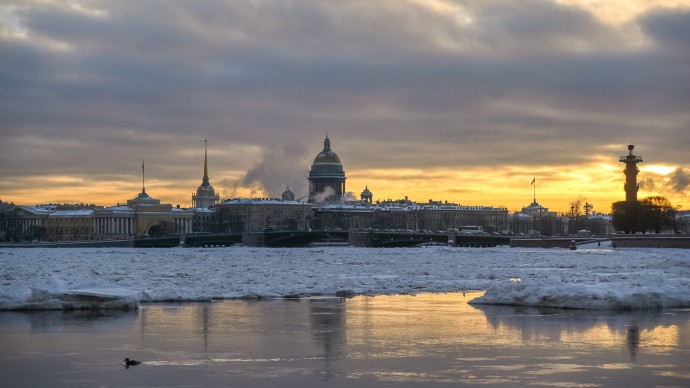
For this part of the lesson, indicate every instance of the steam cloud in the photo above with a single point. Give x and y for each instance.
(349, 196)
(679, 180)
(324, 195)
(281, 166)
(675, 183)
(647, 184)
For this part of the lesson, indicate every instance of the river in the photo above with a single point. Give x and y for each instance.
(429, 339)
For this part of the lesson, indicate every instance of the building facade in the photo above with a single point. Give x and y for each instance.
(682, 221)
(437, 216)
(142, 216)
(27, 223)
(241, 215)
(69, 225)
(343, 216)
(536, 220)
(408, 215)
(203, 220)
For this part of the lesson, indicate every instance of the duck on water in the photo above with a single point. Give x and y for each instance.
(129, 362)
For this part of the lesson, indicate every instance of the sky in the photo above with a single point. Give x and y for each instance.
(461, 101)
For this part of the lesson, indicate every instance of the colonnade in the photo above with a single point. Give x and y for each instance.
(183, 225)
(27, 224)
(118, 226)
(125, 227)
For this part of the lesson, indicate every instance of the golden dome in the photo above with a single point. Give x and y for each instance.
(327, 156)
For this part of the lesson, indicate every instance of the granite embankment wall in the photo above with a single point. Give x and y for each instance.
(620, 241)
(555, 242)
(74, 244)
(652, 241)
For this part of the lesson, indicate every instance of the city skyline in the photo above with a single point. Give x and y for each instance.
(465, 102)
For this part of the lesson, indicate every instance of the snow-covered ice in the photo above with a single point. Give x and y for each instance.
(54, 278)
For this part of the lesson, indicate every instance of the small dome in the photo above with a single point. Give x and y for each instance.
(143, 198)
(366, 195)
(205, 186)
(288, 195)
(327, 156)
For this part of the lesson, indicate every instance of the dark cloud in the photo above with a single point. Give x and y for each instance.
(675, 184)
(679, 180)
(648, 184)
(397, 84)
(669, 26)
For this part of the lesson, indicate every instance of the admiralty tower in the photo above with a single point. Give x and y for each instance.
(326, 177)
(205, 196)
(631, 170)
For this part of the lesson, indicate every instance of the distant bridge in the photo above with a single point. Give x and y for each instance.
(212, 240)
(383, 239)
(368, 238)
(194, 240)
(361, 238)
(269, 238)
(295, 238)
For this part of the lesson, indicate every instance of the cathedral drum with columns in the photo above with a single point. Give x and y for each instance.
(326, 177)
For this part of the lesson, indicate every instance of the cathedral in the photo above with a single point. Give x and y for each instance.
(326, 177)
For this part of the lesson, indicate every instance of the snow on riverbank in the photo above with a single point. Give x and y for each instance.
(55, 278)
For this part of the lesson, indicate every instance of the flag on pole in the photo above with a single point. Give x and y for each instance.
(533, 180)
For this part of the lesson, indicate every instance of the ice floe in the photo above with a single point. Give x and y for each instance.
(86, 278)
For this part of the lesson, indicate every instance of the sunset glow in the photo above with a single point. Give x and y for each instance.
(597, 184)
(464, 102)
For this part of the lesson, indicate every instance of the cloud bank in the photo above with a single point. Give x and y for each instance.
(91, 88)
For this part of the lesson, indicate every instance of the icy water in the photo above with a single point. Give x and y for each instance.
(382, 341)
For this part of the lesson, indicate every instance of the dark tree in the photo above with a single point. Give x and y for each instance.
(657, 214)
(626, 216)
(163, 228)
(598, 227)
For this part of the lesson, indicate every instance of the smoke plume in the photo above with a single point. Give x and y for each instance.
(679, 180)
(280, 166)
(325, 195)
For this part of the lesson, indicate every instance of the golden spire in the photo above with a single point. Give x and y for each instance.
(143, 176)
(205, 159)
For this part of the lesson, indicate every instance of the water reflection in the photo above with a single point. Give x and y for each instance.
(401, 340)
(327, 318)
(633, 340)
(47, 321)
(581, 329)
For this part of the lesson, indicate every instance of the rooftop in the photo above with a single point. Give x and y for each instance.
(260, 201)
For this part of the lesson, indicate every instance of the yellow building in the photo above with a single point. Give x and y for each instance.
(27, 223)
(69, 225)
(142, 216)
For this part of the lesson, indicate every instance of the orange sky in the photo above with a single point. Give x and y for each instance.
(599, 183)
(464, 102)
